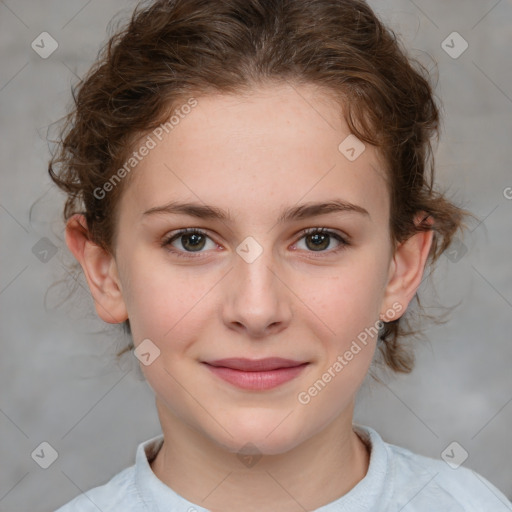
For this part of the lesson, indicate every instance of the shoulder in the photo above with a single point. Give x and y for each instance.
(124, 491)
(423, 482)
(119, 493)
(401, 480)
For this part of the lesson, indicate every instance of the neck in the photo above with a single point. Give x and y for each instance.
(312, 474)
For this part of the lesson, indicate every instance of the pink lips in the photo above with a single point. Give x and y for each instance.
(257, 374)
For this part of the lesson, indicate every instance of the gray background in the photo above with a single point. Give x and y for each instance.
(59, 379)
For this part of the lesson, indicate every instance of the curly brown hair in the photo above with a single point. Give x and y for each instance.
(171, 50)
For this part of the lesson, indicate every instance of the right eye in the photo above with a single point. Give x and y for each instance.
(192, 240)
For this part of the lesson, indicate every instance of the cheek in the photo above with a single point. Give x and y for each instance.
(164, 300)
(350, 309)
(349, 301)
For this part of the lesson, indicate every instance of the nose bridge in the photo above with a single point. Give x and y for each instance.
(257, 297)
(255, 269)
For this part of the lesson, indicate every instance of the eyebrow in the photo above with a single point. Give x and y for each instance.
(303, 211)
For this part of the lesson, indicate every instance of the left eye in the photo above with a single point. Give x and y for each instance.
(194, 240)
(321, 239)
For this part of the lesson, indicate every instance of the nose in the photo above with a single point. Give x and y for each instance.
(258, 302)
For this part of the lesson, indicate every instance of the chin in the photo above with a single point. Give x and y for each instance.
(259, 435)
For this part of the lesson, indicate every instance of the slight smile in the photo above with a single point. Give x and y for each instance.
(256, 374)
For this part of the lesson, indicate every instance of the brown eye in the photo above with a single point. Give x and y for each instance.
(192, 241)
(188, 241)
(320, 239)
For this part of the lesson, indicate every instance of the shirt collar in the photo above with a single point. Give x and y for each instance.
(374, 488)
(156, 495)
(374, 491)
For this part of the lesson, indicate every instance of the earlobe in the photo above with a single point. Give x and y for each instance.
(100, 271)
(408, 266)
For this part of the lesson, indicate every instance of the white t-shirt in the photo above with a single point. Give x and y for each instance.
(397, 480)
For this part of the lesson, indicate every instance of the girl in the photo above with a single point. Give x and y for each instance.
(249, 194)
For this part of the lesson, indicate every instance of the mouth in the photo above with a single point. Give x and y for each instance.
(256, 374)
(255, 365)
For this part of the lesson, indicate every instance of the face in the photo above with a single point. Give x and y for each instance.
(253, 284)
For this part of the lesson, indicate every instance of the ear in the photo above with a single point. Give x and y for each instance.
(406, 268)
(100, 271)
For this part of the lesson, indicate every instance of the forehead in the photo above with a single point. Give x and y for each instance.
(257, 152)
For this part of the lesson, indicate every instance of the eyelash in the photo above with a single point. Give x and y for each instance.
(310, 231)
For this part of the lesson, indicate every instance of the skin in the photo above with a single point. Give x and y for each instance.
(255, 156)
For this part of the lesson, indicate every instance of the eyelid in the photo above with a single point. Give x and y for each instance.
(330, 231)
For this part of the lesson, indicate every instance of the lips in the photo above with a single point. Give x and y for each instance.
(256, 374)
(256, 365)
